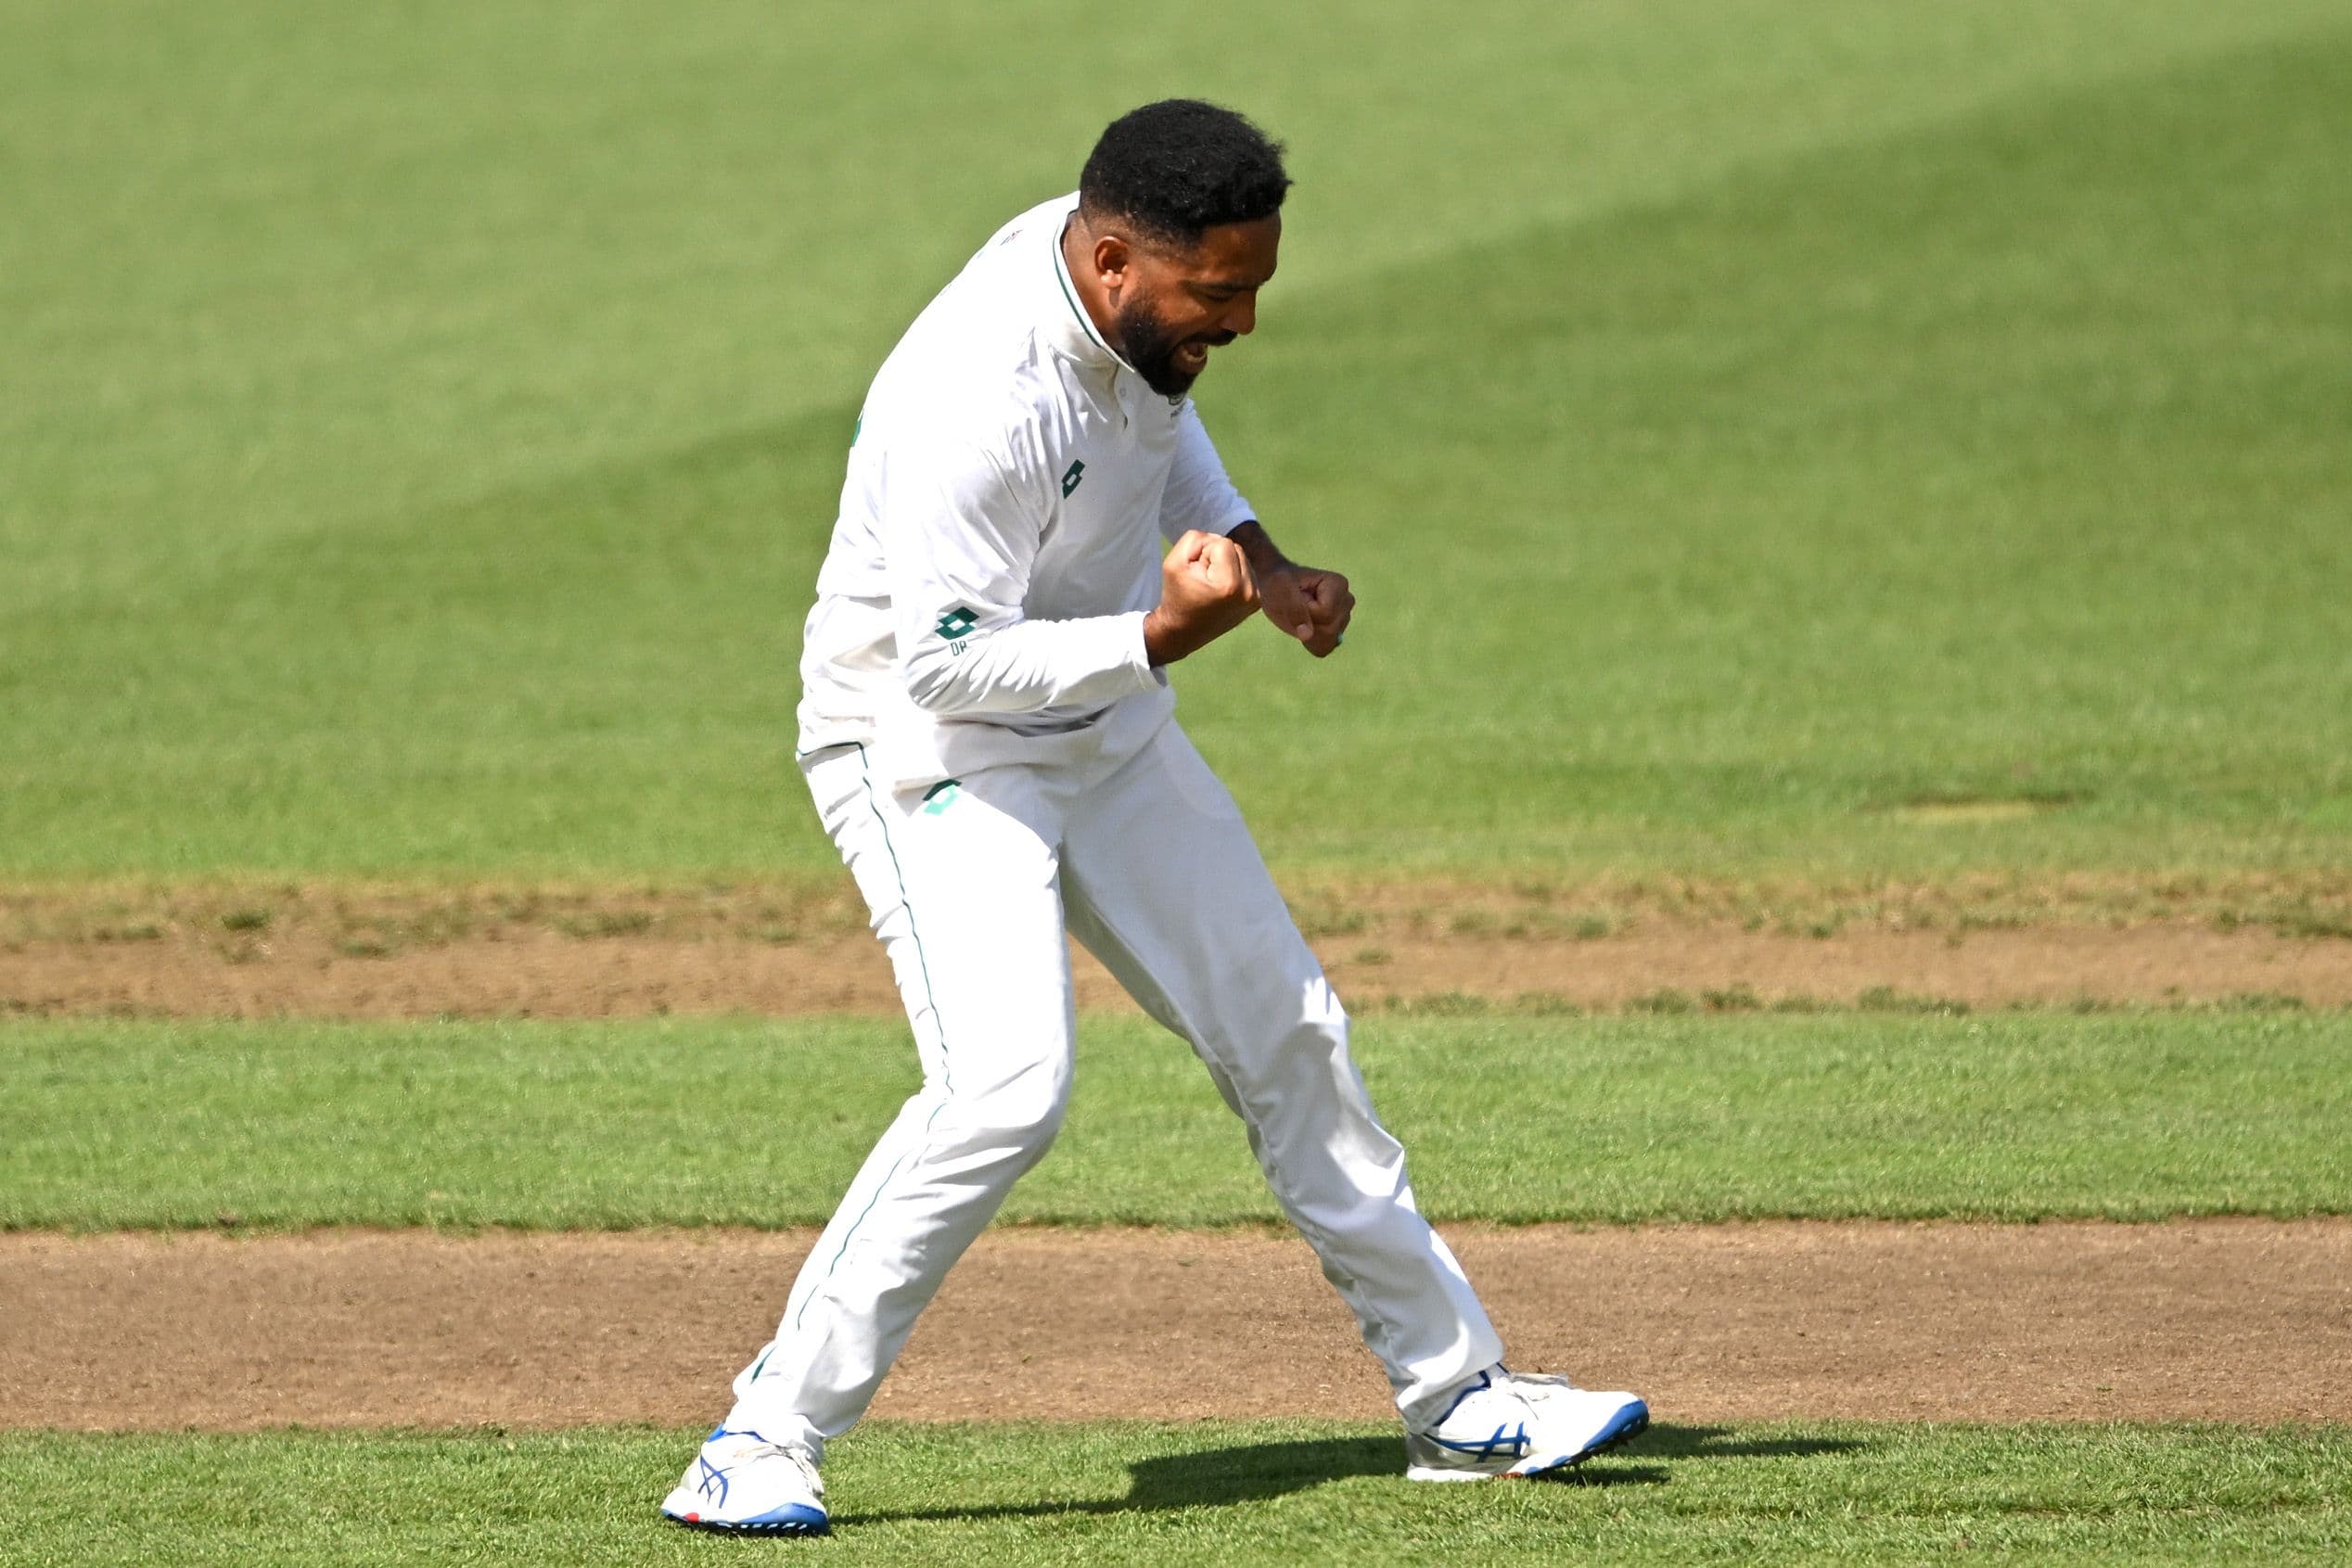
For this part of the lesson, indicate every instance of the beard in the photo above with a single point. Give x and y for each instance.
(1146, 342)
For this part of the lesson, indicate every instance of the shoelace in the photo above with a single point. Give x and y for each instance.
(779, 1450)
(1537, 1387)
(801, 1458)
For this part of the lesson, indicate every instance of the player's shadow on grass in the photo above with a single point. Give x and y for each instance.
(1256, 1472)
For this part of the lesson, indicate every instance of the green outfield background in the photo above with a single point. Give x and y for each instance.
(1823, 441)
(1742, 422)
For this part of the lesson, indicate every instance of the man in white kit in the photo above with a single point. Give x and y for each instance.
(986, 726)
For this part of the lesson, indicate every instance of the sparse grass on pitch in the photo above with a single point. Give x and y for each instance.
(2131, 1117)
(417, 433)
(1205, 1491)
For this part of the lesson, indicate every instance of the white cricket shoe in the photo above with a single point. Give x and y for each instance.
(1507, 1423)
(741, 1484)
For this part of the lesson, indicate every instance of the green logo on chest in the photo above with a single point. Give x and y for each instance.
(1069, 480)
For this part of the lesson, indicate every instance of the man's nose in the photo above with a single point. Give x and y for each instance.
(1242, 315)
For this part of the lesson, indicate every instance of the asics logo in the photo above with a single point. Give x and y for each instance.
(713, 1483)
(1509, 1442)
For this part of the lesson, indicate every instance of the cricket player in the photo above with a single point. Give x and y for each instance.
(987, 728)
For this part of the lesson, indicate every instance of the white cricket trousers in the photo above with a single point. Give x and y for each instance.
(1145, 858)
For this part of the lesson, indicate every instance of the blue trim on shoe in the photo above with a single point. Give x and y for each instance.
(1485, 1379)
(792, 1519)
(796, 1517)
(1507, 1442)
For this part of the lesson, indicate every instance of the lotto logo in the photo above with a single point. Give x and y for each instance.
(1069, 480)
(956, 622)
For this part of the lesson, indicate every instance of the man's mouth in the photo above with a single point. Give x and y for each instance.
(1192, 356)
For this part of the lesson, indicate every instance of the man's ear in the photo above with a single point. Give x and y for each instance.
(1111, 255)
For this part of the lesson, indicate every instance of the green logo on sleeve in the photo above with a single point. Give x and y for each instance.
(1069, 480)
(942, 796)
(956, 622)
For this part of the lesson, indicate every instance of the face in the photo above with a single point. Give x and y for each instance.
(1171, 307)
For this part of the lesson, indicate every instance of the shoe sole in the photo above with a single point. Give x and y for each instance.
(1555, 1470)
(778, 1527)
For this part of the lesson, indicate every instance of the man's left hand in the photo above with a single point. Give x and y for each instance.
(1312, 604)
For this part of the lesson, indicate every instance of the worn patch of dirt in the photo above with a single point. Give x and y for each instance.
(2234, 1320)
(326, 954)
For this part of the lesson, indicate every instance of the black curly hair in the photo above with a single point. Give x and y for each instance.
(1177, 167)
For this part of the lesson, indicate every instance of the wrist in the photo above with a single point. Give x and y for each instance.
(1163, 641)
(1259, 549)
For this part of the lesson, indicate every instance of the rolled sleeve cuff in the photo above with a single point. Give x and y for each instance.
(1135, 660)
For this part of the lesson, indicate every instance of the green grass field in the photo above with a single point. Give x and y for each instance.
(1218, 1492)
(1742, 422)
(2025, 1117)
(1745, 425)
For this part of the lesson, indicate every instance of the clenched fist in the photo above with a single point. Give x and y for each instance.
(1312, 604)
(1205, 591)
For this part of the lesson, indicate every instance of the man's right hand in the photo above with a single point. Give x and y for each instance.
(1205, 591)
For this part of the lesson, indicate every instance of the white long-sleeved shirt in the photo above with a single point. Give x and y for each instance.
(1010, 487)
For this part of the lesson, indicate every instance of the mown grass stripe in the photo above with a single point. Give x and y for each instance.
(1211, 1491)
(1622, 1118)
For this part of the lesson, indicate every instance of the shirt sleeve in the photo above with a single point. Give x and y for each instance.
(1198, 494)
(960, 529)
